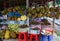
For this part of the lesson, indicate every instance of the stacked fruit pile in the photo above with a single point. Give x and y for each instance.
(15, 13)
(35, 12)
(43, 11)
(45, 22)
(12, 31)
(6, 34)
(13, 27)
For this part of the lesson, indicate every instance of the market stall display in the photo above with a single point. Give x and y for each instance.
(28, 23)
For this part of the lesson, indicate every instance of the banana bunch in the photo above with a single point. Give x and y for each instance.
(13, 27)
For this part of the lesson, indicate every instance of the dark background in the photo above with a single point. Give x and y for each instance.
(11, 3)
(22, 3)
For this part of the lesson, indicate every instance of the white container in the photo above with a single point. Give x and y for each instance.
(23, 29)
(11, 22)
(30, 31)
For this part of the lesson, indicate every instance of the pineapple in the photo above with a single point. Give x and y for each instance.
(40, 15)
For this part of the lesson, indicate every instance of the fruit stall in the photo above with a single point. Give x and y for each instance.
(30, 23)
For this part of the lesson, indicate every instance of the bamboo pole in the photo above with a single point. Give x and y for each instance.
(53, 14)
(27, 3)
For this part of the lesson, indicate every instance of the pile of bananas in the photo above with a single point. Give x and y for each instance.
(13, 27)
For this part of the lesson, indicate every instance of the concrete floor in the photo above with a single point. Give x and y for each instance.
(11, 40)
(55, 38)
